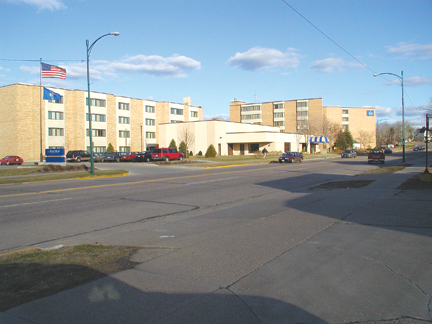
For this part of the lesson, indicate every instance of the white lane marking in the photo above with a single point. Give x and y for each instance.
(166, 236)
(210, 181)
(36, 202)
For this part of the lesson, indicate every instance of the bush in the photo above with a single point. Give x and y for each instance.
(190, 153)
(173, 144)
(183, 149)
(199, 153)
(211, 152)
(110, 148)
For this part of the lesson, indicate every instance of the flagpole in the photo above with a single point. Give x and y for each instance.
(40, 109)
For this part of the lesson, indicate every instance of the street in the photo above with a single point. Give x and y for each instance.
(249, 244)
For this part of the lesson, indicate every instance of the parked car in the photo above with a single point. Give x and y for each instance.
(114, 156)
(388, 151)
(77, 156)
(11, 159)
(166, 154)
(291, 157)
(419, 148)
(99, 156)
(349, 154)
(143, 156)
(128, 157)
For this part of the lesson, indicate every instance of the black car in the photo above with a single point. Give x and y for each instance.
(291, 157)
(77, 156)
(142, 156)
(114, 156)
(388, 151)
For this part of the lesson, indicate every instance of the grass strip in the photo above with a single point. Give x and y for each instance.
(32, 274)
(388, 169)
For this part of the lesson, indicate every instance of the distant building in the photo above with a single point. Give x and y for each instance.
(309, 117)
(29, 124)
(229, 138)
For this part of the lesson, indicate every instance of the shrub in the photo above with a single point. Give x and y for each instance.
(173, 144)
(110, 148)
(211, 152)
(199, 153)
(190, 153)
(183, 149)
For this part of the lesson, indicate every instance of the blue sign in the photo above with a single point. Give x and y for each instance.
(370, 112)
(55, 152)
(55, 159)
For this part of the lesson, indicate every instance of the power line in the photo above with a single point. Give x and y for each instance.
(328, 37)
(14, 60)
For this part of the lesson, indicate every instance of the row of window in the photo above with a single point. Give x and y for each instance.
(250, 108)
(253, 116)
(97, 133)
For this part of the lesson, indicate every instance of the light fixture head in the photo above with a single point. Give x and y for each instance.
(115, 33)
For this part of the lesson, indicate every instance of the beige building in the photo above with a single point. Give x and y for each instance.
(229, 138)
(309, 118)
(29, 124)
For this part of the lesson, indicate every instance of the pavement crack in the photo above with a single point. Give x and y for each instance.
(246, 304)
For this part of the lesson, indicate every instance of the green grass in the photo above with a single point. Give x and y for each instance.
(31, 274)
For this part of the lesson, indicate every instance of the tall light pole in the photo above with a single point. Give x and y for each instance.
(89, 49)
(403, 110)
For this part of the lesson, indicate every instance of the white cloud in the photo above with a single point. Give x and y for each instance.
(218, 117)
(417, 81)
(175, 66)
(411, 51)
(334, 64)
(258, 58)
(41, 4)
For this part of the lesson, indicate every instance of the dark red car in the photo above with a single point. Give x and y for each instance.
(128, 157)
(291, 157)
(12, 159)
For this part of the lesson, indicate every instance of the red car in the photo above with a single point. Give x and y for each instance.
(12, 159)
(128, 157)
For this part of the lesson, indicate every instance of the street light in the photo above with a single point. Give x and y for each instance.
(403, 110)
(89, 49)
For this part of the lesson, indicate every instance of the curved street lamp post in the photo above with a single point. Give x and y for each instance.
(89, 49)
(403, 110)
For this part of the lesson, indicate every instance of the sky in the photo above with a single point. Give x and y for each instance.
(218, 51)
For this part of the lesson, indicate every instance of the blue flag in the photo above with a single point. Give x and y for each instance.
(51, 95)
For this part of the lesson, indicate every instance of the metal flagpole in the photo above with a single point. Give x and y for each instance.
(40, 109)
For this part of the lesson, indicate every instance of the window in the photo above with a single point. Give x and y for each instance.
(97, 149)
(194, 113)
(253, 148)
(124, 134)
(56, 101)
(278, 115)
(302, 113)
(345, 118)
(124, 148)
(96, 117)
(175, 121)
(150, 109)
(345, 111)
(150, 135)
(97, 132)
(97, 102)
(55, 131)
(250, 108)
(123, 106)
(302, 124)
(176, 111)
(301, 104)
(150, 122)
(55, 115)
(278, 106)
(254, 116)
(279, 123)
(123, 120)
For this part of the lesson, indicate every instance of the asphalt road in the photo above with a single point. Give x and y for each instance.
(39, 213)
(250, 244)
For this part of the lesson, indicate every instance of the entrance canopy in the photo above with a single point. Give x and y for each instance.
(318, 139)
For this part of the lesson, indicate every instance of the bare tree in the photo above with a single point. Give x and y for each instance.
(187, 136)
(365, 138)
(331, 130)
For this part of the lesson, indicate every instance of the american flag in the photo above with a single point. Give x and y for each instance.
(52, 71)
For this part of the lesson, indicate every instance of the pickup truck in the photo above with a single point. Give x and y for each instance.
(160, 154)
(376, 156)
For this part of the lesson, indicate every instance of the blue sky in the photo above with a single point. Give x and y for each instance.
(215, 51)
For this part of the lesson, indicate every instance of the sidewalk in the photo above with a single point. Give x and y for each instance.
(320, 256)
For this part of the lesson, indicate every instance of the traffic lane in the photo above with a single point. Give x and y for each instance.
(85, 211)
